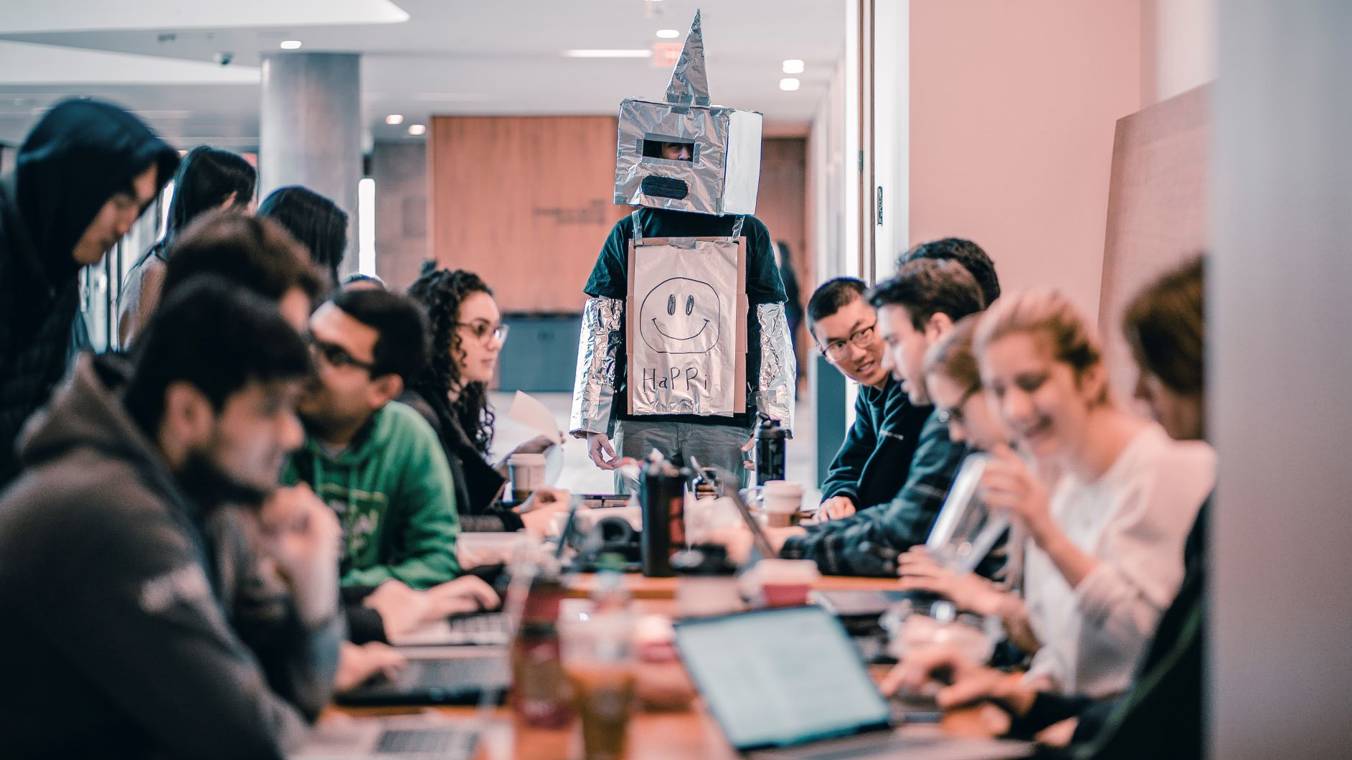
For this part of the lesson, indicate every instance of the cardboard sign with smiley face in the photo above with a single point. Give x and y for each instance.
(680, 316)
(681, 313)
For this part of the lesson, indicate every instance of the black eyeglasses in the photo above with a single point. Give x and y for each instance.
(335, 355)
(860, 338)
(954, 413)
(482, 330)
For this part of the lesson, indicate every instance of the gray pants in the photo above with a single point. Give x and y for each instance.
(713, 445)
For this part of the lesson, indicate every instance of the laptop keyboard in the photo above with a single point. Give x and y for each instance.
(439, 740)
(486, 628)
(453, 672)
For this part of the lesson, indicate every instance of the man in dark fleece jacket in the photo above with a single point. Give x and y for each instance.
(111, 603)
(915, 309)
(82, 176)
(875, 458)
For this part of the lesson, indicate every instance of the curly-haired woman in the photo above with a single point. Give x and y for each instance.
(467, 335)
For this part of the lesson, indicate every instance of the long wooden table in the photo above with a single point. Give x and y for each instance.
(687, 733)
(639, 587)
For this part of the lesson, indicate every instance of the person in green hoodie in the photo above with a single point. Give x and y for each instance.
(379, 465)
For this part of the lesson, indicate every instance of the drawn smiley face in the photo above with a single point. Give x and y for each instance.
(680, 316)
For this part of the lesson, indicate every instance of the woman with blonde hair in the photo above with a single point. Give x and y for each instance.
(1105, 551)
(1161, 715)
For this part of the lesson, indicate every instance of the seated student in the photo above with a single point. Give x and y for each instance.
(1161, 714)
(971, 256)
(120, 643)
(875, 458)
(452, 395)
(257, 255)
(252, 253)
(916, 308)
(953, 384)
(1105, 555)
(317, 222)
(208, 179)
(378, 464)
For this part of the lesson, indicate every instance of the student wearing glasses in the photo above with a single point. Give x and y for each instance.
(451, 393)
(916, 308)
(875, 459)
(379, 465)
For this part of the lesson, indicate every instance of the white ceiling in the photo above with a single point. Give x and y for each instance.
(159, 57)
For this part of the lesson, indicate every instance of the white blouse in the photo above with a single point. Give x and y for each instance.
(1134, 520)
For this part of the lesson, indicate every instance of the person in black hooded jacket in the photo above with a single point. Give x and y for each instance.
(82, 177)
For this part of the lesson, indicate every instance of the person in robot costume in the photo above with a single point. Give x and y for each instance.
(673, 354)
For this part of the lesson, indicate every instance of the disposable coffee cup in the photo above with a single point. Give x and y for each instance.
(782, 501)
(526, 473)
(781, 582)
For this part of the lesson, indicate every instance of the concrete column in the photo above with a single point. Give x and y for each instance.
(310, 130)
(1279, 373)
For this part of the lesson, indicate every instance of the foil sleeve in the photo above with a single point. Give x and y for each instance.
(597, 351)
(778, 366)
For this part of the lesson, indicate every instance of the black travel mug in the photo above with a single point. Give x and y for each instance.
(770, 443)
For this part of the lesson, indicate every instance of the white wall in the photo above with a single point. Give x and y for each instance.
(1279, 372)
(1178, 46)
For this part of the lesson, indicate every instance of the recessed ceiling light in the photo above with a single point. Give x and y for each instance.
(668, 34)
(789, 84)
(793, 65)
(417, 130)
(604, 53)
(394, 119)
(291, 44)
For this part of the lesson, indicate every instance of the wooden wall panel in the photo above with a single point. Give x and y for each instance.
(1157, 209)
(525, 201)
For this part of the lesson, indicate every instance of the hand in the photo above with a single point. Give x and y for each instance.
(922, 670)
(301, 536)
(537, 445)
(1007, 484)
(537, 513)
(969, 591)
(1058, 734)
(601, 452)
(738, 540)
(835, 508)
(464, 595)
(749, 462)
(401, 608)
(358, 664)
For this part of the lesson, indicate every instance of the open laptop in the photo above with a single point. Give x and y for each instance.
(434, 675)
(787, 683)
(417, 736)
(438, 676)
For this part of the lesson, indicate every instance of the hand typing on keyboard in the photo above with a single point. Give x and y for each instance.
(358, 664)
(403, 609)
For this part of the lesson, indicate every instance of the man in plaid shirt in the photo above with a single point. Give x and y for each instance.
(915, 309)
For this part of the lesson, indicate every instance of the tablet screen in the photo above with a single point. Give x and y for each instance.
(780, 677)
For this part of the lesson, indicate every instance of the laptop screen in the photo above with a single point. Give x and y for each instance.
(781, 676)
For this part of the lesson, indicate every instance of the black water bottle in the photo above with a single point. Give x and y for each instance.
(770, 443)
(662, 498)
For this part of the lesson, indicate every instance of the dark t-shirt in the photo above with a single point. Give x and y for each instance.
(610, 278)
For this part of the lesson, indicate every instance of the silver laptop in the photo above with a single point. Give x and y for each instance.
(405, 737)
(788, 683)
(437, 674)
